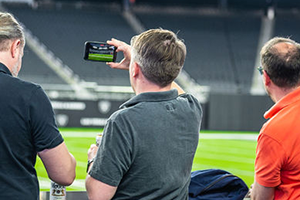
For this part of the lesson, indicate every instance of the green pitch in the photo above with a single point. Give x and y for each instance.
(234, 154)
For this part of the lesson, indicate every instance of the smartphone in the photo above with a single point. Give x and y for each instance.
(100, 52)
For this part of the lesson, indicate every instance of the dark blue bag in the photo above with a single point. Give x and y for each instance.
(216, 184)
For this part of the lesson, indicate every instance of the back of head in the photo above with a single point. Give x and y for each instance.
(10, 30)
(160, 55)
(280, 58)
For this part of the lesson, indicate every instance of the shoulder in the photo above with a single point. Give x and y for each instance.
(126, 118)
(20, 90)
(279, 125)
(120, 115)
(188, 97)
(23, 86)
(33, 92)
(191, 101)
(29, 85)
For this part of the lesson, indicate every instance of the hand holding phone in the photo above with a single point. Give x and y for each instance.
(125, 49)
(99, 51)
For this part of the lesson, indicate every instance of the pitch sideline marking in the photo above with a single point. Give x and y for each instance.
(224, 136)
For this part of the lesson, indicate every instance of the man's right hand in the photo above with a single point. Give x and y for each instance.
(126, 49)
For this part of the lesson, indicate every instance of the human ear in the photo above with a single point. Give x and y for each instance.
(266, 78)
(135, 69)
(15, 48)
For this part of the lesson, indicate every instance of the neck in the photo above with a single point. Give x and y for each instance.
(4, 59)
(147, 86)
(279, 93)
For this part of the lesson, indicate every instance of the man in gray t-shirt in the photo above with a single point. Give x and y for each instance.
(149, 144)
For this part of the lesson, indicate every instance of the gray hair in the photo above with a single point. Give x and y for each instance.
(10, 30)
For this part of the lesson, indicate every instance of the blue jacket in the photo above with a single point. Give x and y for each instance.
(216, 184)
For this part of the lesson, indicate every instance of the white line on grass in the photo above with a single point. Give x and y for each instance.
(77, 134)
(225, 136)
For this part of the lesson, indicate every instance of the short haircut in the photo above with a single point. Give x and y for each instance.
(10, 30)
(160, 55)
(283, 67)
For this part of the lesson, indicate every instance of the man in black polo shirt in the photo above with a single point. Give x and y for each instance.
(27, 125)
(149, 144)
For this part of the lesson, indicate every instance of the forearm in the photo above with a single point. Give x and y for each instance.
(60, 164)
(64, 174)
(260, 192)
(71, 172)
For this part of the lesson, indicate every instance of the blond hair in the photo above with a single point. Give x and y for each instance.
(10, 30)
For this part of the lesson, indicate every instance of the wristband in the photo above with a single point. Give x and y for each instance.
(89, 163)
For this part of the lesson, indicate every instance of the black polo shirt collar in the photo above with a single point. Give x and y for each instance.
(4, 69)
(151, 97)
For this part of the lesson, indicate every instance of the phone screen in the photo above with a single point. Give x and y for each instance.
(100, 51)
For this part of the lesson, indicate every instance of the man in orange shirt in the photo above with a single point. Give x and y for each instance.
(277, 165)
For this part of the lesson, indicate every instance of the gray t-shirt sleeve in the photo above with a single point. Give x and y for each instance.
(42, 122)
(113, 158)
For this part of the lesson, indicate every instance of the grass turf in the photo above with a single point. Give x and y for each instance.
(233, 155)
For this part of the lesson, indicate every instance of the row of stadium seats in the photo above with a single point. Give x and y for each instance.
(222, 47)
(64, 32)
